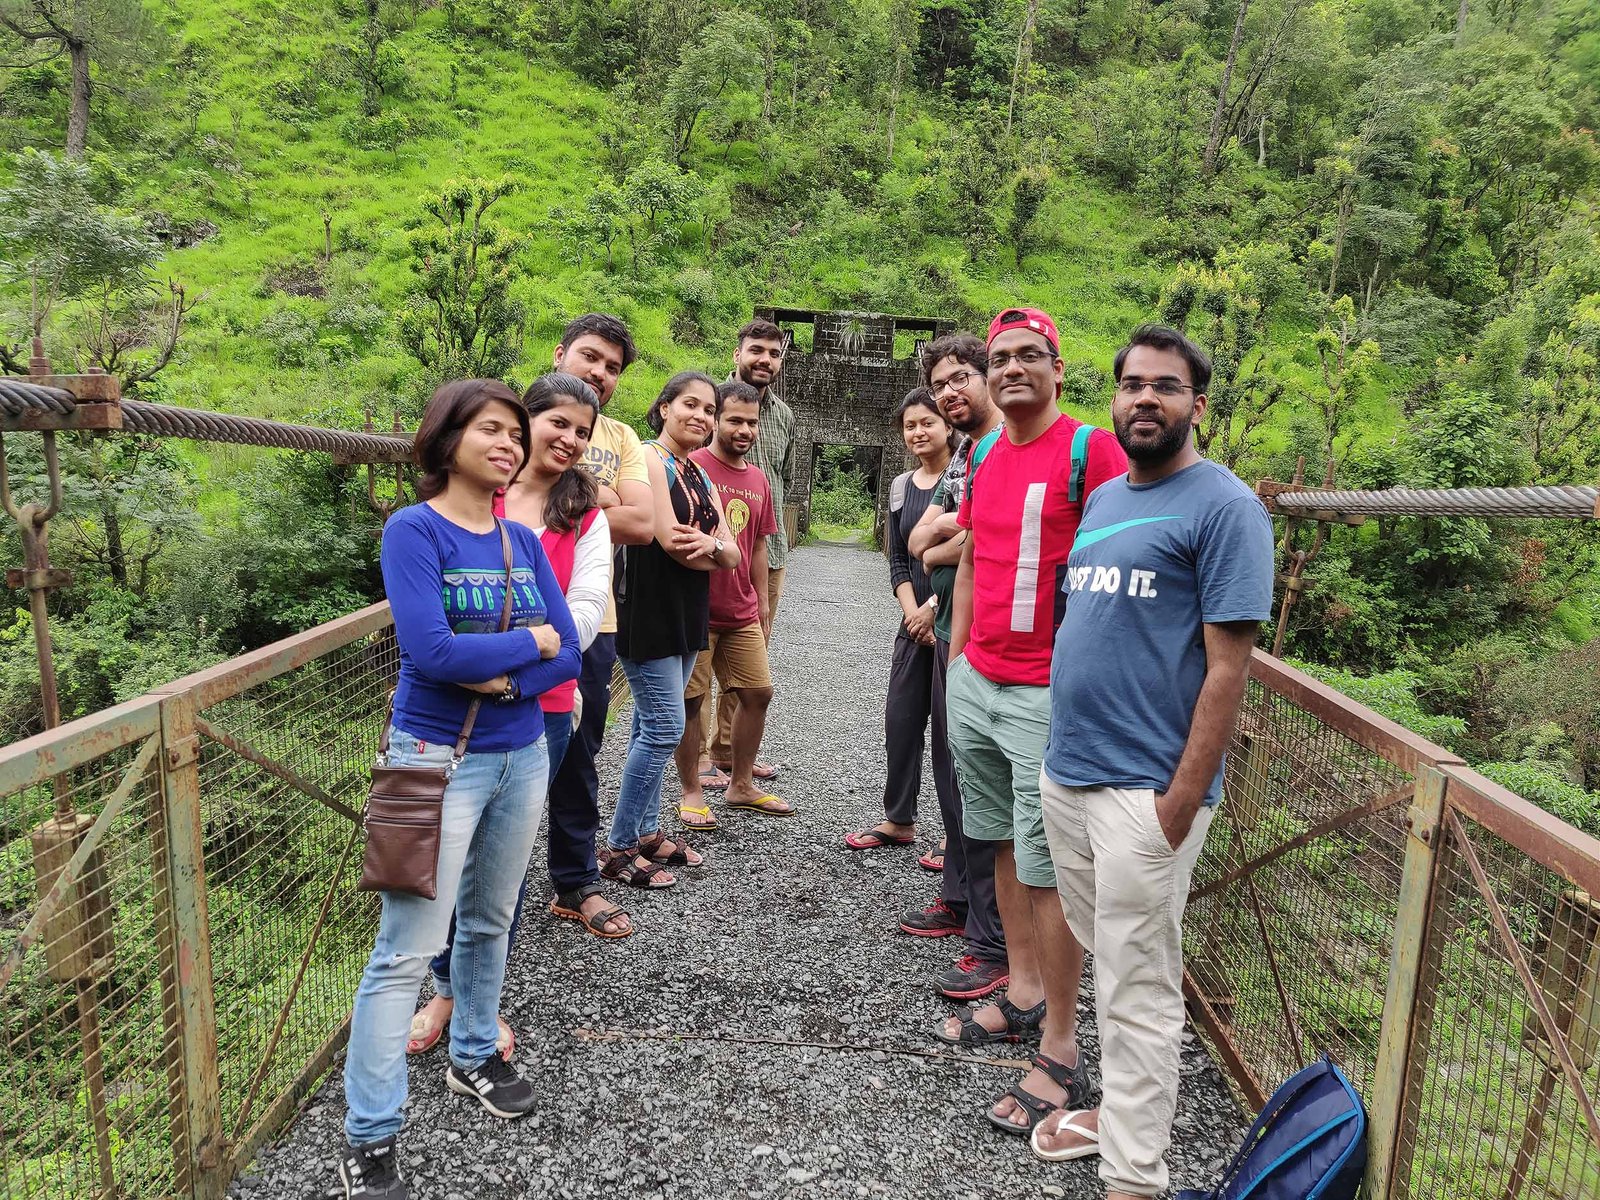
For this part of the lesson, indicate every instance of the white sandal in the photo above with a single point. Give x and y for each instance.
(1069, 1123)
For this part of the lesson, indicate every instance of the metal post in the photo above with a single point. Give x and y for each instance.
(36, 575)
(1387, 1156)
(194, 1014)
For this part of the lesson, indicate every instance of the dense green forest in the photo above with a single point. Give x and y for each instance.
(1378, 215)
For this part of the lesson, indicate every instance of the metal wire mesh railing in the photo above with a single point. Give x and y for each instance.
(1504, 1074)
(178, 917)
(87, 1103)
(1364, 893)
(1292, 951)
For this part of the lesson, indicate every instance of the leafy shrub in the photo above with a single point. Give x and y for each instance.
(841, 494)
(1392, 694)
(293, 337)
(1085, 385)
(1540, 783)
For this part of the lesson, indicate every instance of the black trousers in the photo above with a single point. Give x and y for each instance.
(575, 790)
(905, 717)
(968, 882)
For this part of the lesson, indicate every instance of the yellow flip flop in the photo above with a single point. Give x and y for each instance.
(767, 805)
(704, 821)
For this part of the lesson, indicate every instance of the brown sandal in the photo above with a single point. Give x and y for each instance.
(569, 907)
(624, 868)
(650, 847)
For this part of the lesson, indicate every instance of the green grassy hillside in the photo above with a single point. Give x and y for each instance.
(283, 333)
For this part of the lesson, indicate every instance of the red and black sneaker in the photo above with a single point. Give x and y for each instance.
(937, 920)
(970, 978)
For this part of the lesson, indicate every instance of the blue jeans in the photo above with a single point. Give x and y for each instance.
(657, 685)
(491, 814)
(557, 731)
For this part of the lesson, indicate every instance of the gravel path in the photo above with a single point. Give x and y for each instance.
(765, 1034)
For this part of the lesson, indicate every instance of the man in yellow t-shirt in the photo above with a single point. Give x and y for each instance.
(596, 348)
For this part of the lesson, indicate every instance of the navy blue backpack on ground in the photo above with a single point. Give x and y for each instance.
(1309, 1143)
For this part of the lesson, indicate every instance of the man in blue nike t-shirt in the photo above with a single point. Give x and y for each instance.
(1168, 580)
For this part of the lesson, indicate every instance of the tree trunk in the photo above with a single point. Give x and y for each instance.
(1346, 203)
(894, 96)
(110, 518)
(116, 556)
(1461, 21)
(1261, 143)
(78, 108)
(1024, 49)
(771, 67)
(1208, 162)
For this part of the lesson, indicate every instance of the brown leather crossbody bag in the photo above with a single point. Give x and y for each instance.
(405, 807)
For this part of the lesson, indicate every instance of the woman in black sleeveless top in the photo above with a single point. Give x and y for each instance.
(663, 616)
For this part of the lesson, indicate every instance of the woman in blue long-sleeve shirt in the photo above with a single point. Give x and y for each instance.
(445, 574)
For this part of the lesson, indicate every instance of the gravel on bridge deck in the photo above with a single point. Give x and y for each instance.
(766, 1032)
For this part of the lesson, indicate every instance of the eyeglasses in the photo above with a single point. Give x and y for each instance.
(1028, 358)
(956, 382)
(1130, 386)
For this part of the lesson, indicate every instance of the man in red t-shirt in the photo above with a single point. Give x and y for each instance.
(1022, 506)
(740, 614)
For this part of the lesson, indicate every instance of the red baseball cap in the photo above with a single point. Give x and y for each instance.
(1035, 319)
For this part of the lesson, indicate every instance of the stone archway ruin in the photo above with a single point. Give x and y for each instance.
(843, 374)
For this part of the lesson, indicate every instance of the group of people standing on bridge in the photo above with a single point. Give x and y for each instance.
(1078, 611)
(552, 543)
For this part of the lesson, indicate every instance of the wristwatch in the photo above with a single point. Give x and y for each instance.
(717, 546)
(512, 692)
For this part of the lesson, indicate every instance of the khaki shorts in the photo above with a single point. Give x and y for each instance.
(738, 656)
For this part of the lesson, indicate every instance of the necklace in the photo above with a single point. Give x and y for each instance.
(691, 497)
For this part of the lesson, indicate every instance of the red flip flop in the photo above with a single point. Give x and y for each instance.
(424, 1034)
(876, 839)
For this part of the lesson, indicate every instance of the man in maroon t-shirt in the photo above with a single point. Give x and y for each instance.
(740, 614)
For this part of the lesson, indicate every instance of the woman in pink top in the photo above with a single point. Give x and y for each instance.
(559, 500)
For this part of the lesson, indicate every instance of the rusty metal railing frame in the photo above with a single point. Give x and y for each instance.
(1444, 790)
(166, 725)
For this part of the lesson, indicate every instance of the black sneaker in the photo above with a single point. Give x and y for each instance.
(495, 1085)
(937, 920)
(970, 978)
(371, 1172)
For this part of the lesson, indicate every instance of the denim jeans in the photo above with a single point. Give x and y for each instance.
(491, 813)
(557, 731)
(657, 685)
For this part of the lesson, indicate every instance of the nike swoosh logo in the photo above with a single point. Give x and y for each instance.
(1100, 535)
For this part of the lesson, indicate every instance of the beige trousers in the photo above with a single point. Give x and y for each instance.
(1123, 889)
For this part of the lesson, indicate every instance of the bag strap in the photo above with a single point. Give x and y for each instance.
(981, 452)
(897, 491)
(1080, 462)
(477, 699)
